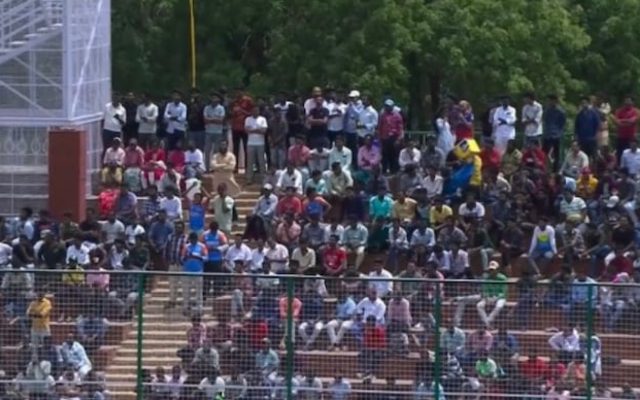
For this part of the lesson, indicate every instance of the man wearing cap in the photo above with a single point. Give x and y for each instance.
(494, 292)
(391, 128)
(113, 162)
(351, 118)
(504, 122)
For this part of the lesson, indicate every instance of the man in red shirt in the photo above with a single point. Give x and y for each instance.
(490, 157)
(391, 129)
(240, 110)
(626, 118)
(289, 204)
(298, 154)
(334, 258)
(534, 156)
(374, 346)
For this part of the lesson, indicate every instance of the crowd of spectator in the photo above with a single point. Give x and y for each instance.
(349, 201)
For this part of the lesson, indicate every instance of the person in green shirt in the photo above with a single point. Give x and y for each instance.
(493, 293)
(381, 205)
(486, 368)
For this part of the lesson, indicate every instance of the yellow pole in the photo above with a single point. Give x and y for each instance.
(192, 29)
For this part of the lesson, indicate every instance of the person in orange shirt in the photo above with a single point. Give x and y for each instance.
(39, 311)
(296, 308)
(586, 184)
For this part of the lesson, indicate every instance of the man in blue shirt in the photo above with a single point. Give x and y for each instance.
(159, 233)
(345, 310)
(216, 242)
(194, 254)
(586, 127)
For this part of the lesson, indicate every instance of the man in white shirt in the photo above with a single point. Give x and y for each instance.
(193, 161)
(371, 305)
(410, 155)
(146, 117)
(172, 205)
(381, 280)
(504, 125)
(277, 255)
(336, 117)
(531, 117)
(115, 117)
(630, 159)
(78, 251)
(290, 177)
(566, 343)
(256, 126)
(367, 119)
(213, 114)
(340, 154)
(175, 115)
(238, 252)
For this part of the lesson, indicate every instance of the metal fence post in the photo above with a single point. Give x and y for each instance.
(436, 337)
(290, 333)
(589, 334)
(140, 321)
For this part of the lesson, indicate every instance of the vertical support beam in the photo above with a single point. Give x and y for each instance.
(67, 172)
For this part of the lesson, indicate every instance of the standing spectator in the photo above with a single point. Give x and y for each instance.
(115, 116)
(504, 120)
(195, 118)
(194, 254)
(374, 346)
(223, 206)
(171, 204)
(39, 311)
(175, 116)
(159, 233)
(278, 134)
(391, 129)
(214, 115)
(216, 243)
(240, 109)
(351, 120)
(554, 123)
(130, 127)
(146, 117)
(255, 126)
(337, 110)
(626, 118)
(586, 127)
(367, 119)
(532, 117)
(317, 120)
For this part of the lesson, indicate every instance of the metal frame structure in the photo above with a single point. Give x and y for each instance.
(55, 71)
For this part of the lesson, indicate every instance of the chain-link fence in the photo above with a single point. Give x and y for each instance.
(99, 334)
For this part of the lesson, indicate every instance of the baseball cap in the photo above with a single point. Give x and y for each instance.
(389, 103)
(613, 201)
(267, 186)
(354, 93)
(493, 265)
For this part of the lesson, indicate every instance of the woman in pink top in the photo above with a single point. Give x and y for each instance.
(96, 275)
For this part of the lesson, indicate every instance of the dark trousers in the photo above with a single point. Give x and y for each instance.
(212, 282)
(589, 146)
(129, 132)
(332, 138)
(553, 144)
(390, 154)
(622, 145)
(239, 136)
(174, 138)
(107, 139)
(351, 141)
(369, 360)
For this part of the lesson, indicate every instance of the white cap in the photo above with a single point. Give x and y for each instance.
(613, 201)
(493, 265)
(354, 93)
(267, 186)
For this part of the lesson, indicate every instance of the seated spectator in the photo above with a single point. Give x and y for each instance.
(69, 385)
(288, 232)
(574, 161)
(398, 244)
(533, 156)
(74, 356)
(374, 346)
(171, 179)
(334, 258)
(298, 154)
(453, 341)
(319, 158)
(404, 209)
(171, 204)
(213, 385)
(459, 263)
(566, 344)
(154, 164)
(133, 164)
(112, 164)
(311, 317)
(369, 158)
(223, 160)
(338, 180)
(399, 321)
(345, 312)
(317, 182)
(314, 205)
(267, 364)
(193, 161)
(290, 178)
(313, 235)
(543, 246)
(92, 330)
(340, 153)
(494, 293)
(380, 280)
(277, 255)
(584, 297)
(355, 238)
(432, 183)
(205, 358)
(409, 155)
(290, 203)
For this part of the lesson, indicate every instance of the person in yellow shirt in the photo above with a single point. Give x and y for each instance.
(404, 208)
(39, 311)
(439, 212)
(586, 184)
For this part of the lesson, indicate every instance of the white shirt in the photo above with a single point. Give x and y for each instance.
(532, 113)
(433, 186)
(150, 112)
(252, 123)
(560, 342)
(279, 252)
(459, 262)
(409, 157)
(131, 231)
(336, 116)
(212, 389)
(328, 232)
(546, 237)
(476, 212)
(507, 130)
(375, 308)
(444, 260)
(110, 122)
(257, 258)
(631, 161)
(398, 239)
(235, 253)
(382, 287)
(426, 239)
(368, 118)
(344, 157)
(306, 260)
(173, 207)
(287, 180)
(223, 212)
(81, 255)
(5, 254)
(112, 231)
(180, 112)
(194, 158)
(310, 104)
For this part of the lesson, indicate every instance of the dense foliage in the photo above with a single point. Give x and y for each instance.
(418, 50)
